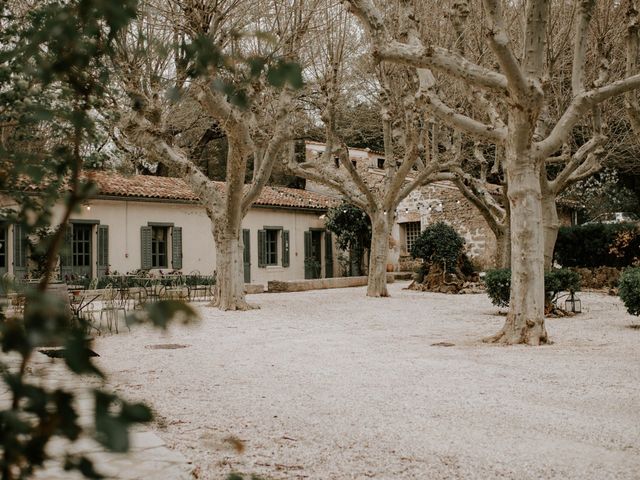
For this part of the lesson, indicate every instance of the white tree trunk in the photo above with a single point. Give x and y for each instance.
(229, 288)
(502, 257)
(380, 231)
(525, 320)
(551, 226)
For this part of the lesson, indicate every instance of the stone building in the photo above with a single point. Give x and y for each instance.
(439, 201)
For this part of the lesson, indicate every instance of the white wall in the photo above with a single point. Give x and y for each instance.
(125, 217)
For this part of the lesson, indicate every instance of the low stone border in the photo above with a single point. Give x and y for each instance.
(320, 283)
(253, 288)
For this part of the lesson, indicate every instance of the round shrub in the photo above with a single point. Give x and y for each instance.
(629, 290)
(498, 284)
(439, 244)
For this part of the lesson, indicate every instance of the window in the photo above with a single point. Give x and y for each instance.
(412, 231)
(81, 246)
(270, 239)
(159, 246)
(271, 248)
(354, 163)
(381, 163)
(336, 162)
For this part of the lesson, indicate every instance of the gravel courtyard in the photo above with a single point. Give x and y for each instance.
(333, 385)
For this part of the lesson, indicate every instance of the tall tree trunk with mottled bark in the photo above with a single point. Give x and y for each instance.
(381, 223)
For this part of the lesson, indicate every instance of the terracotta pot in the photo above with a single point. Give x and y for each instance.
(390, 267)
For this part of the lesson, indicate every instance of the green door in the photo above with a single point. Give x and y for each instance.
(312, 254)
(246, 255)
(3, 250)
(328, 255)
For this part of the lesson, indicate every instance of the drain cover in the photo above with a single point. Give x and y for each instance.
(166, 346)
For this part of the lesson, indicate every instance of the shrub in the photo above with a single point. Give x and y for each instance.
(498, 284)
(630, 290)
(440, 244)
(598, 244)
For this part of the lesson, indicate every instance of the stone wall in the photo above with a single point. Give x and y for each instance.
(442, 201)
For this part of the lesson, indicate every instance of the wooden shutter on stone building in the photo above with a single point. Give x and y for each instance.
(176, 248)
(145, 248)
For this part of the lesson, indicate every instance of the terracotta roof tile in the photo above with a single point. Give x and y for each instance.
(167, 188)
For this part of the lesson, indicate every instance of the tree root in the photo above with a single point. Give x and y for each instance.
(238, 305)
(525, 336)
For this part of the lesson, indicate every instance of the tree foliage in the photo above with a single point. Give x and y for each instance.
(52, 86)
(351, 226)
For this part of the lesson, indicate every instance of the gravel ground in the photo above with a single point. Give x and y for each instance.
(333, 385)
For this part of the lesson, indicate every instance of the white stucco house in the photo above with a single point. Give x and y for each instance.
(156, 224)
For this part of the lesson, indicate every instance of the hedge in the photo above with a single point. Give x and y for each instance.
(598, 245)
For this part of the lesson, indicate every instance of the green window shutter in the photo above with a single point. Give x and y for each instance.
(246, 254)
(328, 255)
(145, 248)
(308, 268)
(262, 248)
(285, 248)
(103, 250)
(176, 248)
(66, 253)
(20, 247)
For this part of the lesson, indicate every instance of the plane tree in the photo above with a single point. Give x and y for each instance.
(237, 63)
(512, 74)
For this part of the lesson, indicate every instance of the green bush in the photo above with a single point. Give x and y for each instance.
(440, 244)
(630, 290)
(598, 244)
(498, 284)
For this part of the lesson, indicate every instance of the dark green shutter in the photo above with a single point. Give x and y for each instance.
(176, 248)
(20, 246)
(308, 267)
(246, 254)
(145, 248)
(328, 255)
(262, 247)
(66, 253)
(285, 248)
(103, 250)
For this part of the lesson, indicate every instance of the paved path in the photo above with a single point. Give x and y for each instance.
(148, 459)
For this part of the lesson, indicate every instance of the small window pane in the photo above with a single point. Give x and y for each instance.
(412, 230)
